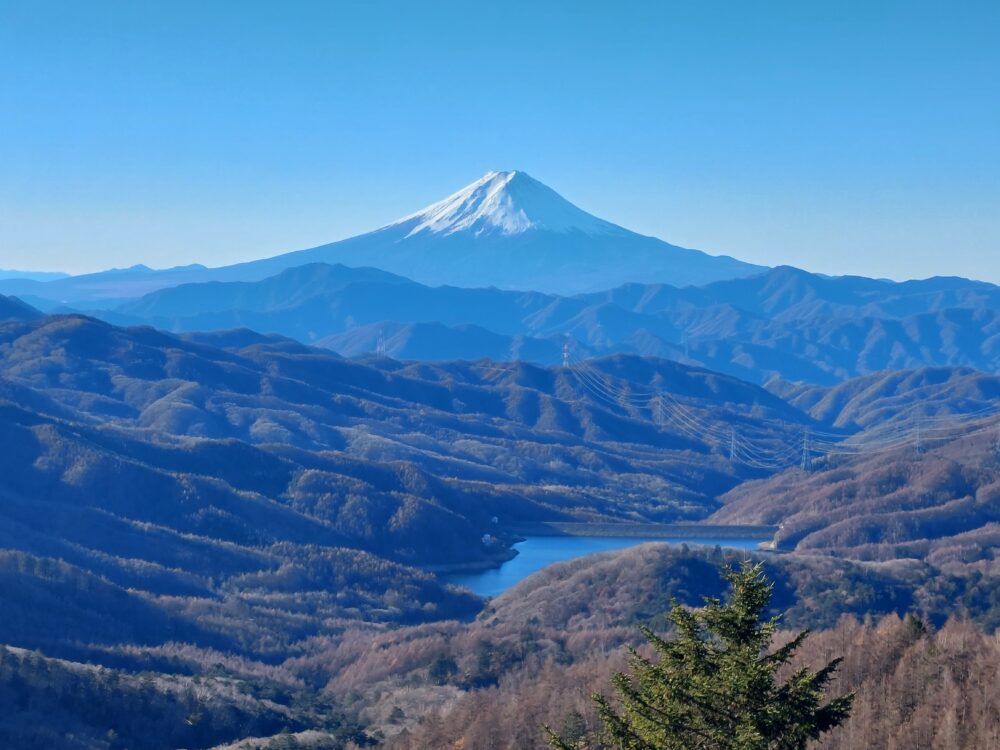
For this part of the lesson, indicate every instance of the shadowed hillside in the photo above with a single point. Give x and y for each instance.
(13, 308)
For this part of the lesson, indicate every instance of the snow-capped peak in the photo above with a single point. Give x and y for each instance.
(505, 203)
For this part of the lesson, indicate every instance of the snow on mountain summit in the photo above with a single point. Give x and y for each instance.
(505, 230)
(505, 203)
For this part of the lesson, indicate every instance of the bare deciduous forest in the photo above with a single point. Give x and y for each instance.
(915, 688)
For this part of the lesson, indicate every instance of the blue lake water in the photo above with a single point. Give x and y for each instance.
(536, 552)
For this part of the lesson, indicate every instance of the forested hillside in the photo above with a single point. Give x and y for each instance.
(913, 689)
(535, 654)
(305, 430)
(227, 529)
(935, 502)
(504, 673)
(243, 492)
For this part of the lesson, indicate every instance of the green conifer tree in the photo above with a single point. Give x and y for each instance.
(715, 683)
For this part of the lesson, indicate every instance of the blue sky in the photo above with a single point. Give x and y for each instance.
(853, 137)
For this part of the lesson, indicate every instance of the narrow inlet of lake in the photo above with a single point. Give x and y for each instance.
(534, 553)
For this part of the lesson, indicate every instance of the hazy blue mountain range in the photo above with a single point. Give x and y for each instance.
(783, 323)
(6, 273)
(115, 285)
(13, 308)
(506, 229)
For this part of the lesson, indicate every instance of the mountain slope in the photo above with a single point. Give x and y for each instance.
(942, 505)
(317, 300)
(505, 229)
(784, 323)
(927, 486)
(13, 308)
(511, 231)
(244, 492)
(446, 445)
(286, 290)
(435, 342)
(884, 398)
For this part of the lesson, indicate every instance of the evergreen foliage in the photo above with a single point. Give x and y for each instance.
(716, 684)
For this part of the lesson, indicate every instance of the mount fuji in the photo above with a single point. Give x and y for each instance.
(509, 230)
(506, 230)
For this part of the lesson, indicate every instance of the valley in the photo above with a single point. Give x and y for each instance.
(499, 376)
(535, 553)
(299, 501)
(259, 512)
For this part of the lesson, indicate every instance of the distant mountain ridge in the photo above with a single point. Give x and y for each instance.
(12, 307)
(506, 229)
(8, 273)
(784, 323)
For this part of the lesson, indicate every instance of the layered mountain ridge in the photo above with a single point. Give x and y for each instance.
(506, 229)
(784, 323)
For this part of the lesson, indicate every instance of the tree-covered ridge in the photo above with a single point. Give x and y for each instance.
(939, 503)
(353, 444)
(291, 596)
(713, 682)
(785, 322)
(509, 667)
(545, 674)
(50, 703)
(888, 667)
(239, 507)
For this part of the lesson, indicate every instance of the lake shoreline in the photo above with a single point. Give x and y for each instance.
(693, 532)
(503, 555)
(536, 552)
(647, 530)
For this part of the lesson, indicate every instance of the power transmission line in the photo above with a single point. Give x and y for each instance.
(776, 445)
(663, 406)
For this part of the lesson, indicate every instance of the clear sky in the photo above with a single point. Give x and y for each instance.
(849, 137)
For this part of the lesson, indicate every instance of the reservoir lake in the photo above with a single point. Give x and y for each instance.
(534, 553)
